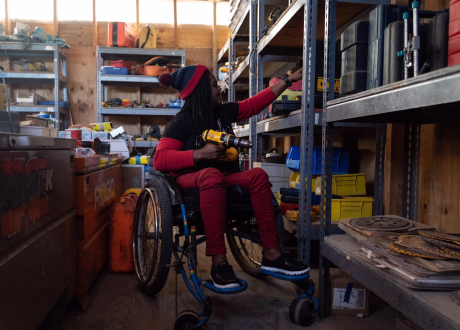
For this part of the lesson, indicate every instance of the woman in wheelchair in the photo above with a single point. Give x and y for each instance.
(195, 164)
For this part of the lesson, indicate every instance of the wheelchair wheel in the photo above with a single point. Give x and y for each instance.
(248, 254)
(153, 237)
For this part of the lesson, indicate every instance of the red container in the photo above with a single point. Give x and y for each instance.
(120, 257)
(453, 59)
(121, 35)
(121, 64)
(74, 133)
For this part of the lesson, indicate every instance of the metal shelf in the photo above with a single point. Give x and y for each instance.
(41, 77)
(244, 21)
(37, 108)
(138, 112)
(116, 80)
(10, 50)
(222, 57)
(105, 54)
(428, 309)
(138, 54)
(273, 66)
(290, 226)
(387, 103)
(16, 49)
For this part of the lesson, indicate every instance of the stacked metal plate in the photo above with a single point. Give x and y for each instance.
(419, 259)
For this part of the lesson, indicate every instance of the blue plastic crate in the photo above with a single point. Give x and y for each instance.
(63, 104)
(340, 160)
(114, 70)
(175, 104)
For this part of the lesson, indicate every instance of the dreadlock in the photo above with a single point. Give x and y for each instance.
(199, 104)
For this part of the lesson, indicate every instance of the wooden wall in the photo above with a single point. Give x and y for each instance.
(197, 40)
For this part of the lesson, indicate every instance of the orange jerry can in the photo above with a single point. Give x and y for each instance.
(121, 259)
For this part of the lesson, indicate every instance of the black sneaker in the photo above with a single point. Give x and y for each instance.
(223, 276)
(285, 264)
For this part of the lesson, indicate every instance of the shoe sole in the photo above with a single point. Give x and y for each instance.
(228, 286)
(286, 272)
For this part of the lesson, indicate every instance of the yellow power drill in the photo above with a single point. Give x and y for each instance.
(229, 141)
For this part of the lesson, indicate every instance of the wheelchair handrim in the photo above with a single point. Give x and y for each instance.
(148, 211)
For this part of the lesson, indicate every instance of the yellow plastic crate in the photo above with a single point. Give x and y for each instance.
(349, 184)
(351, 207)
(294, 181)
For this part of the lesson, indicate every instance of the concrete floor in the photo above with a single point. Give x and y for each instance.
(118, 303)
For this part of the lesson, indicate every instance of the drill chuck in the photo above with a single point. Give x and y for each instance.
(237, 142)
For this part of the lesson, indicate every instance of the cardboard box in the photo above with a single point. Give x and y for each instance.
(24, 99)
(34, 130)
(348, 297)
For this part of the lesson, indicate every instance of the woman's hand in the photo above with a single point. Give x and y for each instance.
(296, 76)
(208, 152)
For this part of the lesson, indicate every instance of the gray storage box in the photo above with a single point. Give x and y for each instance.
(5, 122)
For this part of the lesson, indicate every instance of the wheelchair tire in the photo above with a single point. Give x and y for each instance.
(249, 254)
(153, 237)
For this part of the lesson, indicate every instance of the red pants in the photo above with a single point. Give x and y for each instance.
(213, 191)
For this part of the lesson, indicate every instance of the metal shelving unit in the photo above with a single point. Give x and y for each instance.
(427, 98)
(276, 53)
(105, 54)
(56, 77)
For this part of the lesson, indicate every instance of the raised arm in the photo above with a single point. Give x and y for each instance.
(254, 105)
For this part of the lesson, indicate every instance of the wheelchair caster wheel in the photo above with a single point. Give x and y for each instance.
(302, 311)
(186, 320)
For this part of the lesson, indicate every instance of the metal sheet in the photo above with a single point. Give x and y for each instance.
(431, 89)
(36, 186)
(133, 176)
(429, 310)
(380, 223)
(34, 274)
(416, 243)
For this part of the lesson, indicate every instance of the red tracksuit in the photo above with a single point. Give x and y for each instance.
(174, 154)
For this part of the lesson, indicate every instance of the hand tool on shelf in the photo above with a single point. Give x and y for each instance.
(32, 65)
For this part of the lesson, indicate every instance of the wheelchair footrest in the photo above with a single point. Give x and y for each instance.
(291, 278)
(243, 286)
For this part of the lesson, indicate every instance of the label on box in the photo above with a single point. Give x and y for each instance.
(354, 299)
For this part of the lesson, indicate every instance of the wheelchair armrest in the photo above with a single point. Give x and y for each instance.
(175, 192)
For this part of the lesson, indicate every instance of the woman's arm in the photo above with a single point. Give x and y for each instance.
(169, 157)
(254, 105)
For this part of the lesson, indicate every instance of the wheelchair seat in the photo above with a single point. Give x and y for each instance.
(238, 201)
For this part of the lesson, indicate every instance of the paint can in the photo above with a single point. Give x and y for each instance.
(76, 134)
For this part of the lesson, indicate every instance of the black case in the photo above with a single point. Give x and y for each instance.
(379, 18)
(393, 67)
(437, 41)
(353, 44)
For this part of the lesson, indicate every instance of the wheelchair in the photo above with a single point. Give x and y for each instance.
(161, 206)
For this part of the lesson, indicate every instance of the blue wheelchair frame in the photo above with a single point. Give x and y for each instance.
(193, 285)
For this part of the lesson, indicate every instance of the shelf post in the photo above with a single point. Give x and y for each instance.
(411, 171)
(231, 60)
(252, 79)
(307, 128)
(327, 152)
(57, 115)
(381, 136)
(99, 85)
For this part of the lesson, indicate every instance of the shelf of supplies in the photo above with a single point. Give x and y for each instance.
(243, 25)
(428, 309)
(222, 57)
(112, 79)
(138, 112)
(138, 54)
(315, 233)
(17, 49)
(37, 76)
(285, 36)
(274, 66)
(36, 109)
(145, 144)
(391, 103)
